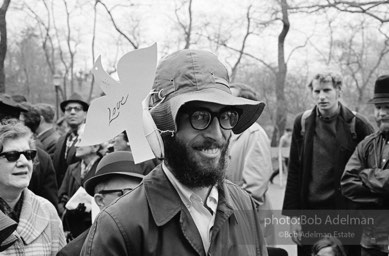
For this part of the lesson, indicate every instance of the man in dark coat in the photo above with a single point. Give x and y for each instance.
(115, 175)
(185, 206)
(46, 131)
(75, 110)
(323, 140)
(365, 180)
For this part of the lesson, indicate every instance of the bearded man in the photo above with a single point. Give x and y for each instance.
(185, 206)
(366, 176)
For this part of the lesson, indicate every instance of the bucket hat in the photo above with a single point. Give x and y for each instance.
(116, 163)
(196, 75)
(75, 97)
(381, 90)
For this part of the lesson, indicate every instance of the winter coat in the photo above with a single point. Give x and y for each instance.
(152, 220)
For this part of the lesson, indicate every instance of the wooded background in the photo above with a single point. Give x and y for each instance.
(275, 46)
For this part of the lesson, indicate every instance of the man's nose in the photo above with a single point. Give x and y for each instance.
(214, 129)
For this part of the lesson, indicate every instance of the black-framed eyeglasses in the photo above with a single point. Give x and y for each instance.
(76, 109)
(201, 118)
(13, 156)
(110, 191)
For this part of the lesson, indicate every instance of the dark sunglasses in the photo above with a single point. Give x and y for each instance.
(110, 191)
(201, 118)
(13, 156)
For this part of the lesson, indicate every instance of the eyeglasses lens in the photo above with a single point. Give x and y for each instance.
(76, 109)
(201, 119)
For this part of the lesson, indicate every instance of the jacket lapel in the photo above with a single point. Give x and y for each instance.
(165, 203)
(33, 220)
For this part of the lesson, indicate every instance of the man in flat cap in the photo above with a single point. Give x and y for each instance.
(75, 110)
(366, 177)
(185, 206)
(115, 175)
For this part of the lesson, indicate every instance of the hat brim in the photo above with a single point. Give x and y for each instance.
(378, 100)
(64, 103)
(91, 183)
(251, 110)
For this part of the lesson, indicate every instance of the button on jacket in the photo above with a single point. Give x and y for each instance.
(152, 220)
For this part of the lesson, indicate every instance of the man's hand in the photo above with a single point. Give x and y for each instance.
(295, 230)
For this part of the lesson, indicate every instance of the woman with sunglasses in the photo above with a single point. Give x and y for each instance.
(39, 228)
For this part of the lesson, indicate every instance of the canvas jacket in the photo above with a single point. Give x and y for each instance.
(300, 158)
(366, 182)
(39, 231)
(251, 165)
(152, 220)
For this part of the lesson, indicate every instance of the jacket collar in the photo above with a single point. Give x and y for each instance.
(165, 202)
(46, 133)
(33, 218)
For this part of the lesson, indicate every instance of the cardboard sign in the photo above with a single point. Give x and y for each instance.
(121, 108)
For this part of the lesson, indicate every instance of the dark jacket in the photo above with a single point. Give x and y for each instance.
(300, 158)
(60, 163)
(43, 181)
(73, 248)
(76, 221)
(366, 182)
(152, 220)
(49, 140)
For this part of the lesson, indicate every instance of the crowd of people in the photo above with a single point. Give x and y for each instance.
(207, 194)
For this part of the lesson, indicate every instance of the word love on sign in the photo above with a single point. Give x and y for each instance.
(121, 108)
(114, 112)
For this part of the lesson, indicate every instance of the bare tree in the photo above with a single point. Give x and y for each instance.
(3, 42)
(133, 38)
(46, 37)
(360, 57)
(93, 46)
(71, 50)
(187, 28)
(281, 75)
(243, 45)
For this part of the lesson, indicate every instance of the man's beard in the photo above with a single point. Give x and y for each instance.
(190, 172)
(383, 125)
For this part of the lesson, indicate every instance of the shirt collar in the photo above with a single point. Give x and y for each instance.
(186, 194)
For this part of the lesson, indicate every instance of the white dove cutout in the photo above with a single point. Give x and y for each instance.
(121, 108)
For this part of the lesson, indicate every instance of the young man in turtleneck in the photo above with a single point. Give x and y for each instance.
(323, 140)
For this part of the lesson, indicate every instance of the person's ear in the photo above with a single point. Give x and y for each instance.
(99, 199)
(42, 120)
(339, 92)
(96, 148)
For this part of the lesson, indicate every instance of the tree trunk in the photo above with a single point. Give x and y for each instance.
(3, 42)
(281, 76)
